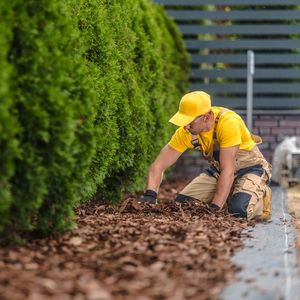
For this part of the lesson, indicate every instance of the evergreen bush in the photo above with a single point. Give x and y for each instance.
(8, 123)
(55, 110)
(87, 89)
(139, 69)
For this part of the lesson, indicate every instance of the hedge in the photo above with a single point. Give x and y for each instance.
(138, 85)
(87, 89)
(8, 123)
(55, 111)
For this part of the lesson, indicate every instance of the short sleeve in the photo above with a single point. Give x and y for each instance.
(180, 140)
(229, 133)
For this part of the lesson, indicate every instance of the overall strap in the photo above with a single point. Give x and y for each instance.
(221, 112)
(195, 141)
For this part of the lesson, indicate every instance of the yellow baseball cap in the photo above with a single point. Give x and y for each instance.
(191, 106)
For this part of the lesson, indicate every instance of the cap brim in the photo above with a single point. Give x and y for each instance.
(181, 120)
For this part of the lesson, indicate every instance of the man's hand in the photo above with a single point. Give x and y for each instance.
(213, 207)
(183, 199)
(149, 197)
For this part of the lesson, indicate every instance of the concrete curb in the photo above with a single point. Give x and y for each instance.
(269, 260)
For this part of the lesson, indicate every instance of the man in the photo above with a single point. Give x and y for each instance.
(238, 175)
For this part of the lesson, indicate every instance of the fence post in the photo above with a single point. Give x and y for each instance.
(250, 74)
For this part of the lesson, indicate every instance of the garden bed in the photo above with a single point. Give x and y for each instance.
(128, 252)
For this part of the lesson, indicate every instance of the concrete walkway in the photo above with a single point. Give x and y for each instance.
(268, 260)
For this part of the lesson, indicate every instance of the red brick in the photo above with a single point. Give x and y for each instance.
(292, 117)
(286, 131)
(271, 117)
(269, 138)
(266, 123)
(281, 137)
(268, 154)
(264, 146)
(290, 123)
(263, 130)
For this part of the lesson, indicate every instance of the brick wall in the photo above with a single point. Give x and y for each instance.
(273, 127)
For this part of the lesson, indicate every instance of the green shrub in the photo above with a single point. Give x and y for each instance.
(135, 68)
(55, 112)
(87, 90)
(104, 69)
(8, 124)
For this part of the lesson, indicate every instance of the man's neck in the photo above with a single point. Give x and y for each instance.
(211, 122)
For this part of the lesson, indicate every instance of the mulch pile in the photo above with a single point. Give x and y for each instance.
(128, 252)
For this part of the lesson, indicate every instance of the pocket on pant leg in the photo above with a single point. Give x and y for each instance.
(252, 184)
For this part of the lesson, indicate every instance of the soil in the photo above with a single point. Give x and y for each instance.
(131, 251)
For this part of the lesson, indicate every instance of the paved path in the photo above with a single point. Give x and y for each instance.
(268, 261)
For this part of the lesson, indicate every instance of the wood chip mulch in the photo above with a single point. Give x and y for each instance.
(128, 252)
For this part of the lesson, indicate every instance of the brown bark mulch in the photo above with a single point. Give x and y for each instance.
(128, 252)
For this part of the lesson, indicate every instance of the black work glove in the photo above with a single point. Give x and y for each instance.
(149, 197)
(183, 199)
(213, 207)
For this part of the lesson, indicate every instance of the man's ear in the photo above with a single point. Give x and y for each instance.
(207, 116)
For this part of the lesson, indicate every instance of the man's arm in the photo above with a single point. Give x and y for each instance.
(225, 181)
(167, 157)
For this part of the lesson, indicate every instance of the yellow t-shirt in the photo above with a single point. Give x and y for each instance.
(231, 131)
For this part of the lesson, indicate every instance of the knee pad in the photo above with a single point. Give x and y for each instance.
(182, 198)
(238, 204)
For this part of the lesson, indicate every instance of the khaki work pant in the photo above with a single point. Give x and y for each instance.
(247, 192)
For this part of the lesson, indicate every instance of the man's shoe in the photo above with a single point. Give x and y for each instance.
(267, 205)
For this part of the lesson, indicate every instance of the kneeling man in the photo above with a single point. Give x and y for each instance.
(238, 174)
